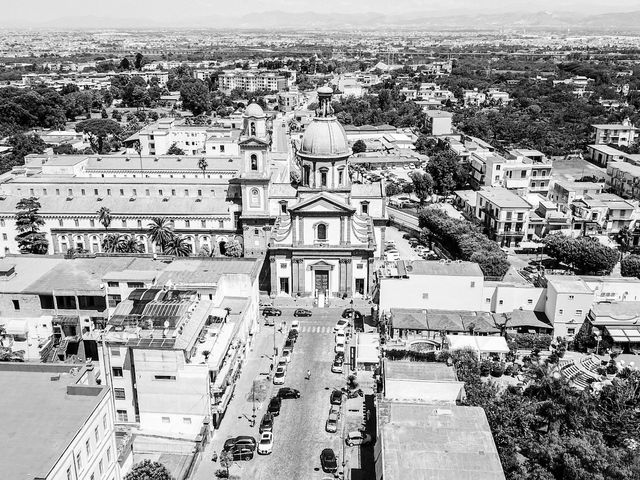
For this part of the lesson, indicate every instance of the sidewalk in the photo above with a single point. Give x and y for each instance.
(240, 409)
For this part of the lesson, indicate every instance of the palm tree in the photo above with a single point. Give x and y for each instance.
(160, 231)
(131, 245)
(177, 247)
(202, 165)
(104, 217)
(113, 243)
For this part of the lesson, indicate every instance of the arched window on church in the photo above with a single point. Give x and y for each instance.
(254, 199)
(323, 177)
(254, 162)
(306, 174)
(341, 176)
(252, 129)
(321, 232)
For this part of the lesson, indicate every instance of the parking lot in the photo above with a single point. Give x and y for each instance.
(299, 431)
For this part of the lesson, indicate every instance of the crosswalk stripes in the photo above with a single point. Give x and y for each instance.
(316, 328)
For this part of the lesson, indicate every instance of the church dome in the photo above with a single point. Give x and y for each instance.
(324, 138)
(254, 110)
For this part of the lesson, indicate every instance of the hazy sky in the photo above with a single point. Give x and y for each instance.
(34, 11)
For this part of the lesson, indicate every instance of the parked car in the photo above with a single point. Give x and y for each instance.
(287, 392)
(278, 378)
(350, 312)
(293, 335)
(392, 256)
(328, 461)
(331, 425)
(274, 406)
(336, 397)
(341, 337)
(288, 344)
(302, 312)
(341, 325)
(295, 325)
(337, 366)
(271, 311)
(286, 355)
(335, 409)
(265, 447)
(266, 425)
(339, 357)
(357, 438)
(241, 453)
(242, 441)
(339, 348)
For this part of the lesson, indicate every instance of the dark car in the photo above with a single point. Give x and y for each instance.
(287, 392)
(302, 312)
(336, 397)
(289, 344)
(339, 357)
(328, 461)
(275, 312)
(293, 335)
(243, 441)
(241, 452)
(351, 313)
(266, 425)
(274, 406)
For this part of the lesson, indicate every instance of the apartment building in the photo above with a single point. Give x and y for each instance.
(603, 213)
(147, 76)
(602, 155)
(252, 80)
(473, 98)
(497, 96)
(624, 179)
(504, 214)
(157, 138)
(523, 171)
(439, 122)
(564, 193)
(58, 423)
(615, 134)
(568, 302)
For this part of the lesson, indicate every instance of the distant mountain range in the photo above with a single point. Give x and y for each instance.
(622, 21)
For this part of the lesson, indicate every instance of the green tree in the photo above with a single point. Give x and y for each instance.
(226, 460)
(21, 146)
(623, 237)
(104, 217)
(125, 64)
(139, 61)
(630, 266)
(99, 130)
(359, 146)
(113, 243)
(233, 248)
(178, 247)
(422, 185)
(28, 223)
(445, 170)
(160, 232)
(148, 470)
(202, 165)
(195, 97)
(175, 150)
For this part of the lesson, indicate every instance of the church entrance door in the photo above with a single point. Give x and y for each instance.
(322, 281)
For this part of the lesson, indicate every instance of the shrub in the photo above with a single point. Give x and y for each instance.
(497, 369)
(509, 370)
(221, 473)
(630, 266)
(485, 368)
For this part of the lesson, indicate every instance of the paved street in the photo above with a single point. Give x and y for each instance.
(299, 434)
(404, 249)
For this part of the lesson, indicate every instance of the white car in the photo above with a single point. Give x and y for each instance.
(295, 325)
(340, 337)
(339, 348)
(265, 446)
(341, 325)
(278, 378)
(391, 257)
(286, 355)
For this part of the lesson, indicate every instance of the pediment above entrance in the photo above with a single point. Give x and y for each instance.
(322, 203)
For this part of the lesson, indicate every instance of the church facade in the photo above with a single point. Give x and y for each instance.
(321, 237)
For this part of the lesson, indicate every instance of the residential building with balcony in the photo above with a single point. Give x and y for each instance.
(615, 134)
(568, 302)
(564, 193)
(624, 179)
(439, 122)
(497, 96)
(473, 98)
(504, 214)
(60, 425)
(605, 213)
(252, 80)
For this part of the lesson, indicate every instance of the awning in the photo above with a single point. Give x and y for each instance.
(66, 320)
(624, 334)
(16, 326)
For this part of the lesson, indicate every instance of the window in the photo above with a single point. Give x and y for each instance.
(2, 222)
(70, 192)
(165, 377)
(76, 222)
(253, 129)
(87, 446)
(203, 223)
(497, 168)
(166, 420)
(108, 191)
(173, 192)
(186, 192)
(340, 176)
(109, 449)
(560, 312)
(119, 393)
(221, 148)
(124, 223)
(571, 297)
(160, 192)
(187, 223)
(69, 473)
(60, 222)
(529, 301)
(57, 191)
(92, 222)
(117, 371)
(571, 331)
(114, 300)
(321, 232)
(113, 284)
(500, 302)
(186, 420)
(122, 416)
(255, 197)
(220, 223)
(5, 237)
(135, 285)
(135, 191)
(122, 192)
(323, 178)
(79, 461)
(578, 312)
(199, 193)
(147, 192)
(487, 300)
(104, 421)
(425, 296)
(365, 208)
(473, 284)
(100, 467)
(16, 304)
(254, 162)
